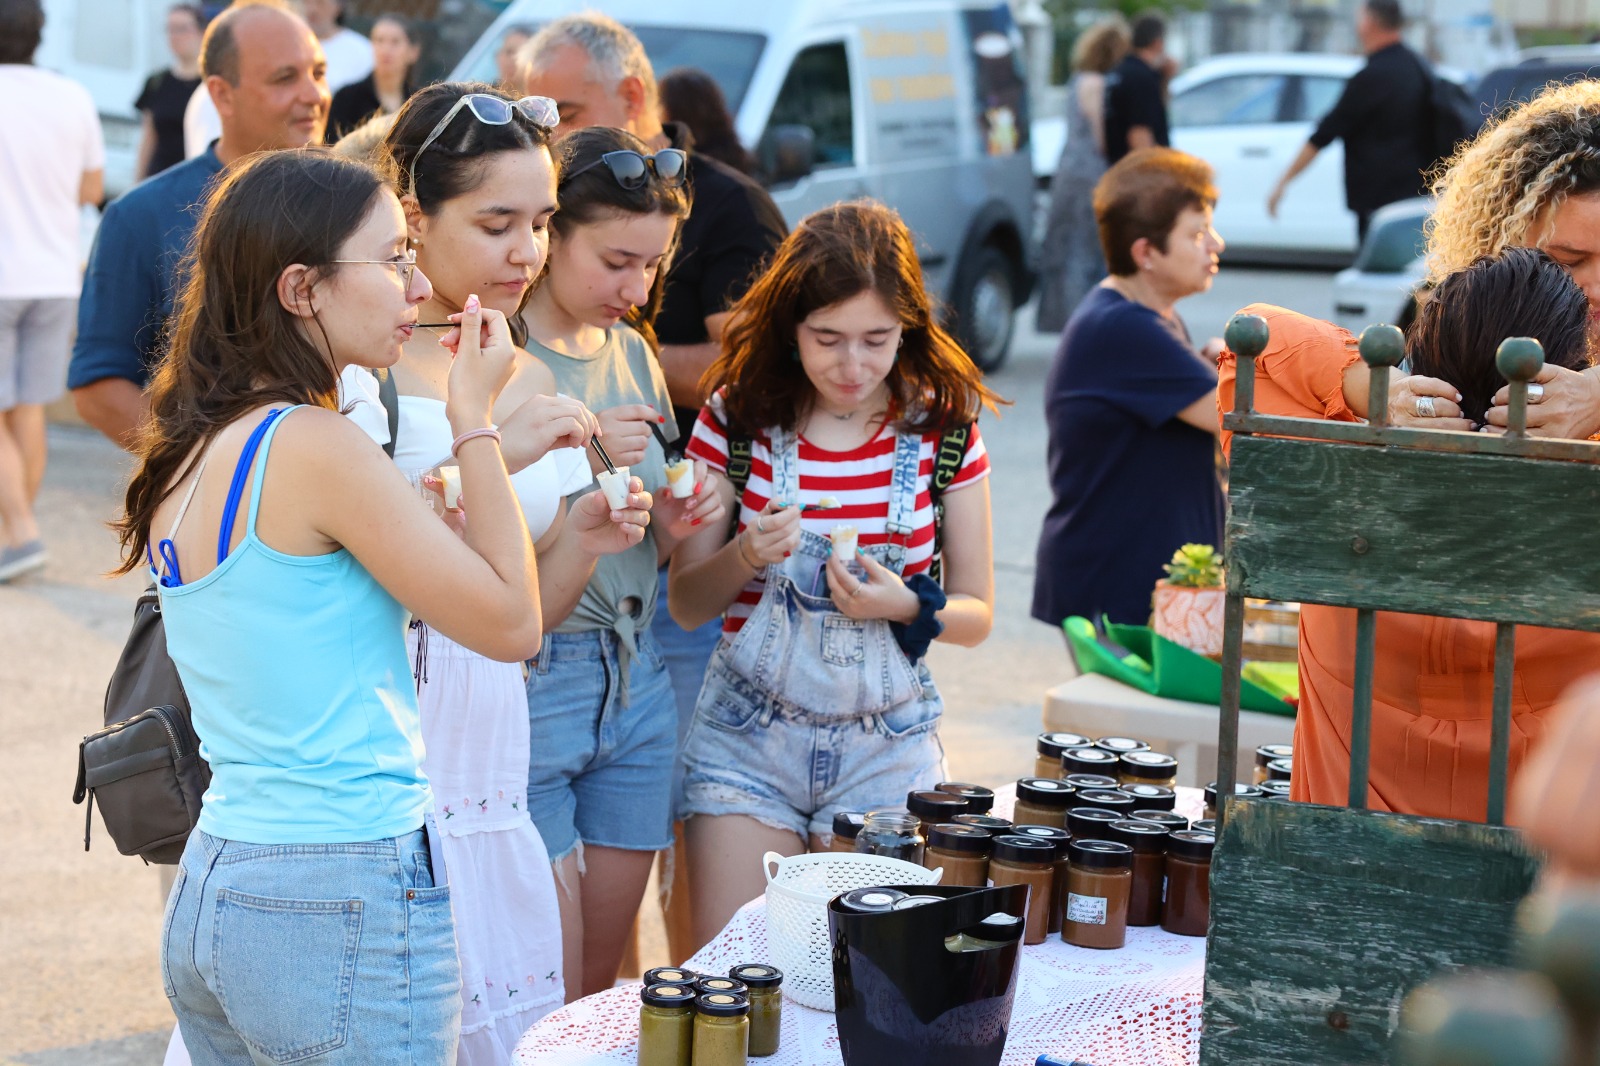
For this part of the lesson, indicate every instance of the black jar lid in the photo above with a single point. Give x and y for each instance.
(1239, 789)
(1147, 837)
(1205, 825)
(979, 799)
(1045, 792)
(1100, 854)
(1191, 844)
(953, 836)
(1267, 752)
(994, 825)
(1170, 819)
(1015, 848)
(1121, 745)
(1090, 822)
(708, 985)
(667, 994)
(1280, 769)
(870, 900)
(932, 805)
(1090, 780)
(1107, 800)
(1058, 837)
(672, 975)
(723, 1004)
(848, 824)
(1151, 797)
(1053, 744)
(1148, 764)
(757, 975)
(1088, 760)
(1274, 789)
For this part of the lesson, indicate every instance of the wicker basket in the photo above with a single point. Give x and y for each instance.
(798, 890)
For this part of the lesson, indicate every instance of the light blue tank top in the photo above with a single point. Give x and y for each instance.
(296, 672)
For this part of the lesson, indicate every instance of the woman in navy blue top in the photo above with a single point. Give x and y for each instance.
(1131, 407)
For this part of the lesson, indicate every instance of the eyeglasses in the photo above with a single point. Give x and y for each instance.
(632, 170)
(405, 267)
(491, 111)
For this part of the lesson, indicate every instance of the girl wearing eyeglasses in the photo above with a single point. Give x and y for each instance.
(600, 703)
(306, 920)
(849, 399)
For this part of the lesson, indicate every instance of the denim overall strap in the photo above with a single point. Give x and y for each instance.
(902, 499)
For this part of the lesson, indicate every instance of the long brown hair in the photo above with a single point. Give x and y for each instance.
(233, 346)
(833, 255)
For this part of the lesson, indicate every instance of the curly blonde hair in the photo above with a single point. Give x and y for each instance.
(1102, 46)
(1513, 176)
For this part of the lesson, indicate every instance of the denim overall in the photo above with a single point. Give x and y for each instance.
(812, 690)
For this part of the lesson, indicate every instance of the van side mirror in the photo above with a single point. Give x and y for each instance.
(788, 153)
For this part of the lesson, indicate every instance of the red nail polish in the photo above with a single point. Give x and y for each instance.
(662, 419)
(697, 485)
(786, 555)
(695, 522)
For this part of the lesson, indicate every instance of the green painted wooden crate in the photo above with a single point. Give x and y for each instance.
(1324, 918)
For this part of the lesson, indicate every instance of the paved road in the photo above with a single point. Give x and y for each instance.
(80, 980)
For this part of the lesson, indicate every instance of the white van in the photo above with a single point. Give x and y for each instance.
(921, 104)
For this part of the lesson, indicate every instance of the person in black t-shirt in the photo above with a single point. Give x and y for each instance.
(395, 50)
(1136, 93)
(1382, 116)
(167, 92)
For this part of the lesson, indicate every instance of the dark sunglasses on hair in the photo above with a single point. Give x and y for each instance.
(491, 111)
(632, 170)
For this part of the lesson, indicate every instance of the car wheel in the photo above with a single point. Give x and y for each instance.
(985, 306)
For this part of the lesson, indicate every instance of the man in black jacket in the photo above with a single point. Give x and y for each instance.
(1383, 118)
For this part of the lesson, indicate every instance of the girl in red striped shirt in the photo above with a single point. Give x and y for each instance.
(845, 393)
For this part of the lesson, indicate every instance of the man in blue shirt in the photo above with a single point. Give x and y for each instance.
(265, 71)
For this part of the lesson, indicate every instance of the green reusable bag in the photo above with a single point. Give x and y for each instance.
(1160, 667)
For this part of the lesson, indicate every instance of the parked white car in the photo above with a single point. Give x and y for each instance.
(1380, 285)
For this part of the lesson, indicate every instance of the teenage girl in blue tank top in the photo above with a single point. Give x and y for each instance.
(305, 923)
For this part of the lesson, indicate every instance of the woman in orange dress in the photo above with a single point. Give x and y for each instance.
(1433, 678)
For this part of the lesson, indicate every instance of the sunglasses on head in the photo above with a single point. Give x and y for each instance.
(632, 170)
(491, 111)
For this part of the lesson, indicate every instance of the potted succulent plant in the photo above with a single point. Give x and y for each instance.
(1188, 603)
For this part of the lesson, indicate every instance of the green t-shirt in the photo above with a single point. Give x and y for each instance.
(622, 371)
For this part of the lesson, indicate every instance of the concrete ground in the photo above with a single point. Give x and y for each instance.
(80, 983)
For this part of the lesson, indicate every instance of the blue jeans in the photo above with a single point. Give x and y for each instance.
(600, 770)
(687, 652)
(312, 953)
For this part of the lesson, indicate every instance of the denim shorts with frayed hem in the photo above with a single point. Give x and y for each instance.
(330, 954)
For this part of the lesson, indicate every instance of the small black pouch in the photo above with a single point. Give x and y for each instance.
(148, 776)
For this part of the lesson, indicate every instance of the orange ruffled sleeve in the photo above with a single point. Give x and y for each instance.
(1301, 372)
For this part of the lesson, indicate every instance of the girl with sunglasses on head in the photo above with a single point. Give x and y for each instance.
(848, 399)
(478, 186)
(600, 703)
(306, 920)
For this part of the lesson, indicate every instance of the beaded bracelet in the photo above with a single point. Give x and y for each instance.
(488, 431)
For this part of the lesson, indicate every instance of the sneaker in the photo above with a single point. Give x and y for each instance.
(22, 558)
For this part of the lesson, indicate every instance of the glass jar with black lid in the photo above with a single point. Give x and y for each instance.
(1047, 763)
(766, 1005)
(1058, 886)
(962, 851)
(1147, 768)
(846, 827)
(1089, 823)
(1099, 878)
(1187, 907)
(1240, 789)
(1280, 769)
(721, 1029)
(1027, 860)
(1082, 781)
(1107, 800)
(1042, 801)
(1274, 789)
(993, 823)
(1169, 820)
(1121, 745)
(1149, 843)
(666, 1025)
(894, 834)
(934, 807)
(720, 984)
(1088, 760)
(1266, 753)
(980, 800)
(1151, 797)
(672, 975)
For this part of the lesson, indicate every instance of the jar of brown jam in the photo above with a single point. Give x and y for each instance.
(979, 799)
(1089, 823)
(846, 827)
(1042, 801)
(996, 826)
(896, 834)
(1280, 769)
(721, 1030)
(934, 807)
(766, 1006)
(1266, 753)
(1058, 883)
(1168, 820)
(1107, 800)
(963, 851)
(1149, 843)
(1187, 907)
(1239, 789)
(1087, 781)
(1098, 883)
(666, 1025)
(1121, 745)
(1025, 860)
(1088, 760)
(1148, 768)
(1047, 763)
(1151, 797)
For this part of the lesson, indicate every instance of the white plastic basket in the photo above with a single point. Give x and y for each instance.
(798, 891)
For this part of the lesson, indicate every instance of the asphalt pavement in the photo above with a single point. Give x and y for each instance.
(79, 967)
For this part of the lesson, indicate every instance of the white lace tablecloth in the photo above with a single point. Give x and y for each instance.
(1138, 1006)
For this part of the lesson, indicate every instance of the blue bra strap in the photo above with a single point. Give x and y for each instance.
(241, 473)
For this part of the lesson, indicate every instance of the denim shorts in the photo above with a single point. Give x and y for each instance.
(312, 953)
(750, 753)
(599, 770)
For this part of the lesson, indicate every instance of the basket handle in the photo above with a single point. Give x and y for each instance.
(768, 861)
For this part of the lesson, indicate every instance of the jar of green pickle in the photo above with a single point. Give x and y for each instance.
(666, 1025)
(766, 1005)
(721, 1029)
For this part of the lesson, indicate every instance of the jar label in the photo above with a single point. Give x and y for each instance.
(1086, 910)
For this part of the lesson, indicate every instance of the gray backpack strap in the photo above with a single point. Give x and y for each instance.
(389, 396)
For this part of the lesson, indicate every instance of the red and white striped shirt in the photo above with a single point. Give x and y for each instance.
(860, 479)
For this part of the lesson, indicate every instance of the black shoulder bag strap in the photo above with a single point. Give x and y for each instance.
(946, 465)
(389, 395)
(738, 470)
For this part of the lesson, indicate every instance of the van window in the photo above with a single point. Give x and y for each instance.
(816, 93)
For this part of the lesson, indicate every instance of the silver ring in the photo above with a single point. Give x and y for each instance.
(856, 591)
(1535, 392)
(1424, 406)
(759, 527)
